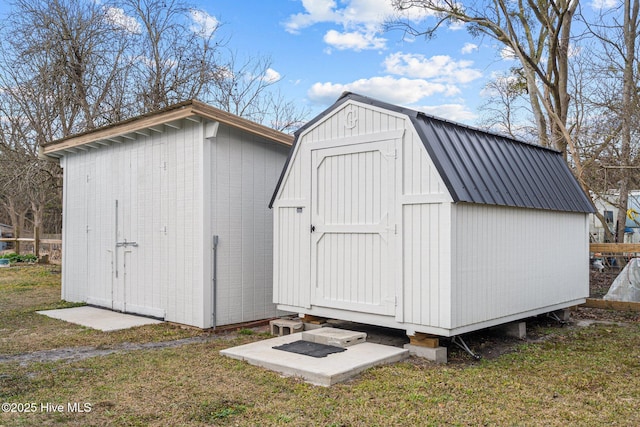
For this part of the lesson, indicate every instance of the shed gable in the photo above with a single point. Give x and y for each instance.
(476, 166)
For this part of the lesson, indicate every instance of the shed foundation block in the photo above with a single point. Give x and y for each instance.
(564, 315)
(336, 337)
(514, 329)
(280, 327)
(434, 354)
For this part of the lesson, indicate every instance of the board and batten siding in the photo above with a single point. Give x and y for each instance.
(426, 235)
(157, 183)
(513, 260)
(292, 217)
(244, 172)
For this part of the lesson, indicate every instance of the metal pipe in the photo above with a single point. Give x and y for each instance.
(116, 241)
(214, 292)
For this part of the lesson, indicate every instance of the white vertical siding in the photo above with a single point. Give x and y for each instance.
(245, 170)
(457, 264)
(509, 260)
(426, 234)
(157, 182)
(292, 244)
(292, 247)
(74, 279)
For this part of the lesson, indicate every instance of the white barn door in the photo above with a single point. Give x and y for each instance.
(124, 285)
(353, 227)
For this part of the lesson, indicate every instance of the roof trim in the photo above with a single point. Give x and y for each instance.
(184, 110)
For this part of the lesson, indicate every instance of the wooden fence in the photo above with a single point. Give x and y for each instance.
(622, 252)
(52, 247)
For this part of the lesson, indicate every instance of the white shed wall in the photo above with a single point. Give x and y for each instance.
(157, 182)
(509, 260)
(457, 267)
(426, 237)
(245, 169)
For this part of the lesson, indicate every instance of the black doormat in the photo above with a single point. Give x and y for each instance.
(309, 348)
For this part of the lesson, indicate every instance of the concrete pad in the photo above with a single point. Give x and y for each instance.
(98, 318)
(324, 371)
(334, 336)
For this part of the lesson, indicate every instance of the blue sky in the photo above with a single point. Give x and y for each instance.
(320, 48)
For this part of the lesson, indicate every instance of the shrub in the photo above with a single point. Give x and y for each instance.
(14, 257)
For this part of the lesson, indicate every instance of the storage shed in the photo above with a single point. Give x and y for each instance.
(388, 216)
(167, 215)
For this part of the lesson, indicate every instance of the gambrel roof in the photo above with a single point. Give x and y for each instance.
(485, 168)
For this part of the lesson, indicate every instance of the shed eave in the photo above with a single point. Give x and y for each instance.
(154, 122)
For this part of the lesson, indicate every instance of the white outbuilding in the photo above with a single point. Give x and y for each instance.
(391, 217)
(166, 215)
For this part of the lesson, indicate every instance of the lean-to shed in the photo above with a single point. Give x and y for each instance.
(391, 217)
(145, 202)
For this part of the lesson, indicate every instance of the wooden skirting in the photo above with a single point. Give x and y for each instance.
(612, 305)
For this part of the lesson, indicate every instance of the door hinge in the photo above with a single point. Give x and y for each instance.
(392, 154)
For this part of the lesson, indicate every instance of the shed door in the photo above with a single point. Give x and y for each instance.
(353, 226)
(124, 285)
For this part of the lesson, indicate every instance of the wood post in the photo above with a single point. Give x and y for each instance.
(36, 242)
(424, 340)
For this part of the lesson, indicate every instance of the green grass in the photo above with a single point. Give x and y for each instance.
(575, 376)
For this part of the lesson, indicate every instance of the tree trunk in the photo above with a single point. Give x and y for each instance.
(628, 92)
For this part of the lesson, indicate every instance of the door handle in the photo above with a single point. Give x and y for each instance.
(313, 228)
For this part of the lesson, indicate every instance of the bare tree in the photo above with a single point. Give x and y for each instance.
(61, 72)
(246, 89)
(615, 69)
(537, 33)
(176, 55)
(505, 109)
(68, 66)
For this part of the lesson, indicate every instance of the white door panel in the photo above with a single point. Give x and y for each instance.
(353, 223)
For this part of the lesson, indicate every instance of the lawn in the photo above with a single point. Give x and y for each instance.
(565, 376)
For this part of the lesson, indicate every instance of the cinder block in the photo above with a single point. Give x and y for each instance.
(334, 336)
(514, 329)
(437, 354)
(312, 326)
(282, 327)
(564, 315)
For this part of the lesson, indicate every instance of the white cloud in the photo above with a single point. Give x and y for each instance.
(271, 76)
(401, 91)
(203, 23)
(507, 54)
(455, 112)
(605, 4)
(117, 17)
(315, 11)
(441, 68)
(360, 21)
(353, 40)
(395, 90)
(456, 25)
(468, 48)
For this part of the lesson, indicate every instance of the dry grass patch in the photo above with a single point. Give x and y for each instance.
(581, 376)
(27, 289)
(573, 376)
